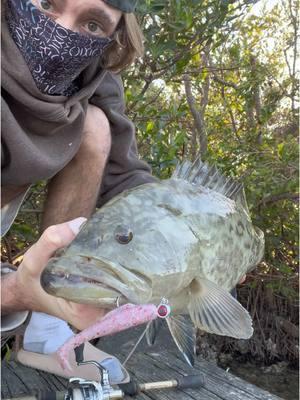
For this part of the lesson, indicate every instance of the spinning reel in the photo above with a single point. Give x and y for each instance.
(81, 389)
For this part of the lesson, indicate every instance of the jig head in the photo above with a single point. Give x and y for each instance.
(163, 309)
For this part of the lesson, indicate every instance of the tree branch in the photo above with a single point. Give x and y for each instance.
(225, 83)
(278, 197)
(197, 115)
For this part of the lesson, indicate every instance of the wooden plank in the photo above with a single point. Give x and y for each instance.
(144, 372)
(212, 388)
(161, 362)
(216, 377)
(18, 380)
(218, 382)
(168, 355)
(6, 383)
(57, 383)
(22, 380)
(141, 364)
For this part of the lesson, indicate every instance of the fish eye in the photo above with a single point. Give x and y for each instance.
(123, 234)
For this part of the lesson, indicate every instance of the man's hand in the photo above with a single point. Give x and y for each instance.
(25, 283)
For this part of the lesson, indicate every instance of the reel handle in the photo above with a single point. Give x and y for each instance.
(79, 353)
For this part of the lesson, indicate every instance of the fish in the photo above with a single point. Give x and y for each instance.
(188, 240)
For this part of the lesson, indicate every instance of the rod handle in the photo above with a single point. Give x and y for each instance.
(185, 382)
(190, 381)
(129, 389)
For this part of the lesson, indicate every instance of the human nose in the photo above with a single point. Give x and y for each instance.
(67, 22)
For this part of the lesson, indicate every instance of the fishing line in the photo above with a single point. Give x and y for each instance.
(135, 346)
(163, 311)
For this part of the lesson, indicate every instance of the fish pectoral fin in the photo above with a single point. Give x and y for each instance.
(184, 335)
(153, 328)
(215, 310)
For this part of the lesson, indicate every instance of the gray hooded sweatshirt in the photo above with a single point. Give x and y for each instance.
(42, 133)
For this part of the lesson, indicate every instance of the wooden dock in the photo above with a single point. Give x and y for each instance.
(160, 362)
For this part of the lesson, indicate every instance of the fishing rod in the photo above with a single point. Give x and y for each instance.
(91, 390)
(82, 389)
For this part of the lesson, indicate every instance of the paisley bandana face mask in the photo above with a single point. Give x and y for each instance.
(55, 55)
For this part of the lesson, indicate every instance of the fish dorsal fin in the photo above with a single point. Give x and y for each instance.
(240, 198)
(201, 173)
(214, 310)
(184, 334)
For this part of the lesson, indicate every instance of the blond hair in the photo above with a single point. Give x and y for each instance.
(127, 45)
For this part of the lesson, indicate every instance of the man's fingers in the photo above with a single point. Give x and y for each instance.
(80, 316)
(54, 238)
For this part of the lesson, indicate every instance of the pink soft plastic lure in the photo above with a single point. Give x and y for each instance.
(121, 318)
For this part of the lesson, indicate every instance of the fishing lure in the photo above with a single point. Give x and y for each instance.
(121, 318)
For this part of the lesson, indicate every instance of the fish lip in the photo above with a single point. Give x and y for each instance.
(134, 295)
(56, 275)
(109, 297)
(103, 277)
(49, 277)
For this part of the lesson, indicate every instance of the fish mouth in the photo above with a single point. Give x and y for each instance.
(90, 280)
(70, 287)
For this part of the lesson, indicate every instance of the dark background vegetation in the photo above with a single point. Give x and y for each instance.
(219, 80)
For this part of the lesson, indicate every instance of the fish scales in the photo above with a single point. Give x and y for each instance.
(189, 239)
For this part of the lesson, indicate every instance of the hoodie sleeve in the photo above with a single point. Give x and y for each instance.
(124, 169)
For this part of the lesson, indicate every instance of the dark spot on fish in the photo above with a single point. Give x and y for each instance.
(230, 228)
(123, 234)
(94, 242)
(172, 210)
(228, 241)
(248, 245)
(240, 229)
(60, 252)
(98, 217)
(193, 232)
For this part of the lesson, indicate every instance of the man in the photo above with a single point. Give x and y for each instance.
(63, 120)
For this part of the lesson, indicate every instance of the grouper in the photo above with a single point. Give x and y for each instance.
(188, 240)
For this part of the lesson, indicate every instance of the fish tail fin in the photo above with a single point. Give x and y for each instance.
(214, 310)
